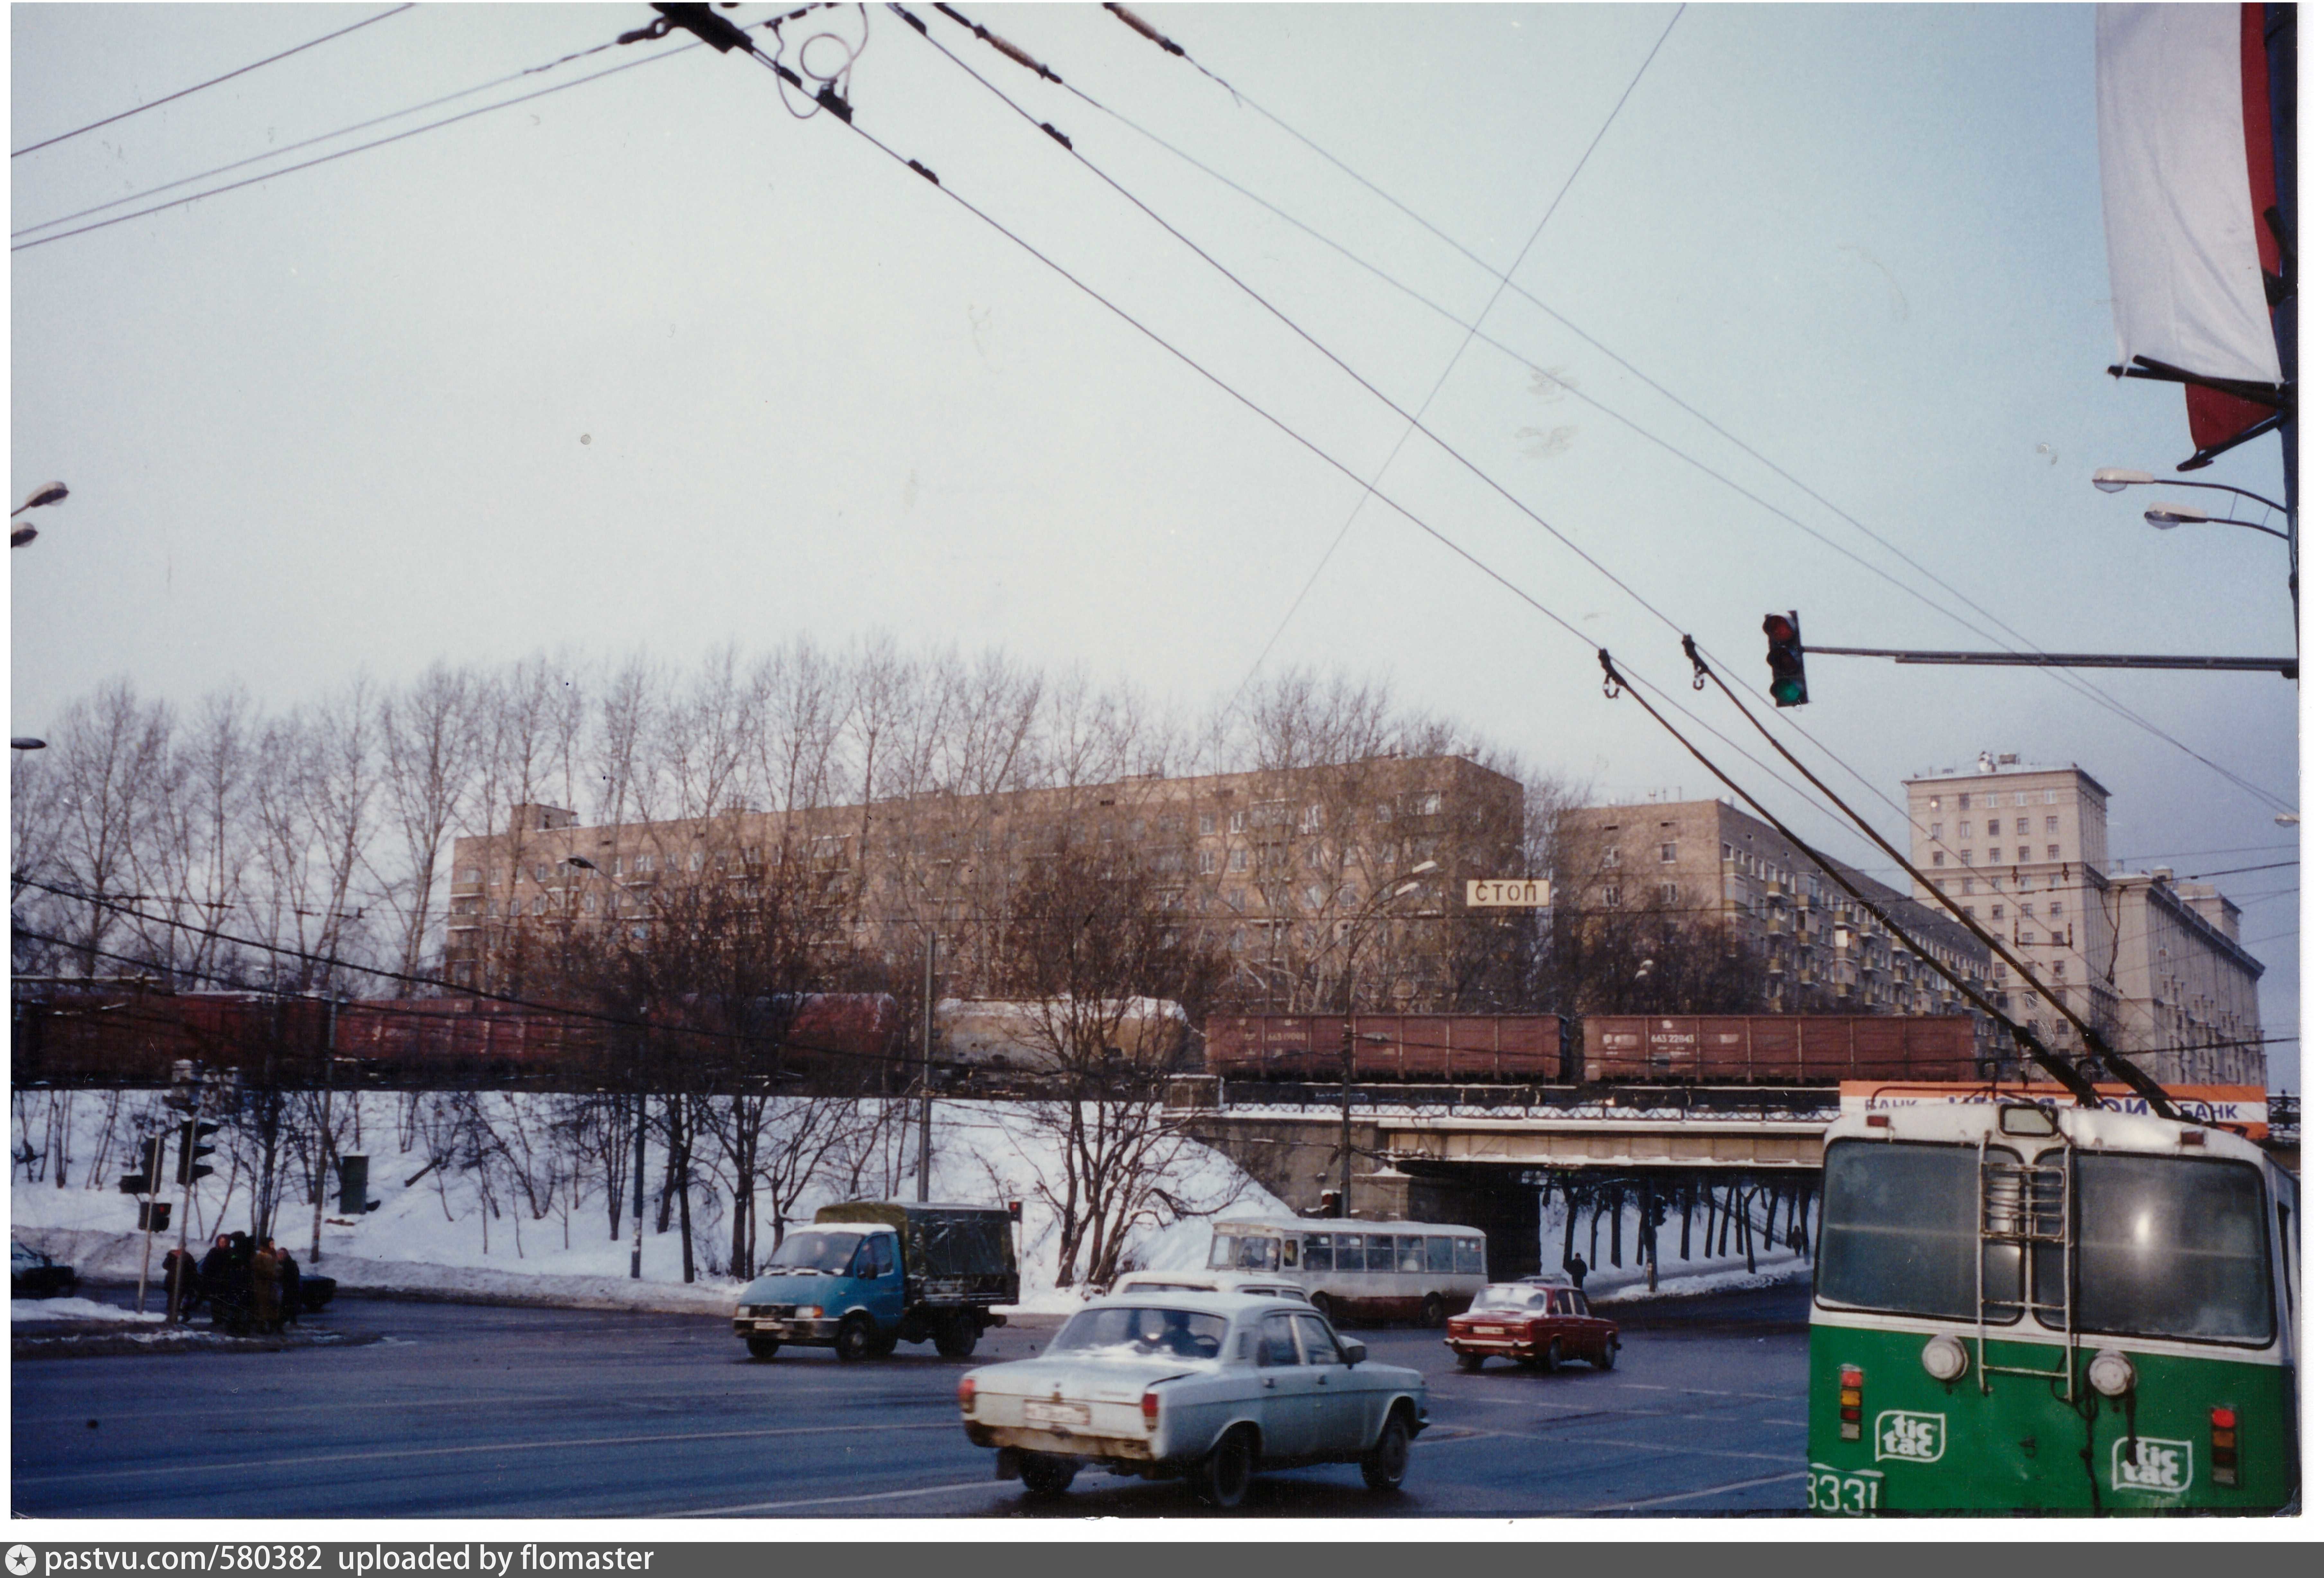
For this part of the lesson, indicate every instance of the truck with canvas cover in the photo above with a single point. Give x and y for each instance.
(870, 1274)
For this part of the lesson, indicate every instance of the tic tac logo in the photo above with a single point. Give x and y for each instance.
(2162, 1466)
(1914, 1437)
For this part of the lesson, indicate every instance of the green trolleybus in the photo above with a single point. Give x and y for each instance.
(2022, 1307)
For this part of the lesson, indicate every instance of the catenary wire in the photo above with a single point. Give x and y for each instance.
(213, 82)
(359, 148)
(1413, 422)
(310, 142)
(1471, 331)
(2064, 676)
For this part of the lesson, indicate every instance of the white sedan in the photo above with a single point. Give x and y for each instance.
(1209, 1386)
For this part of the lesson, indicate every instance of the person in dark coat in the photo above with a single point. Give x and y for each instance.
(178, 1274)
(216, 1278)
(289, 1273)
(1577, 1268)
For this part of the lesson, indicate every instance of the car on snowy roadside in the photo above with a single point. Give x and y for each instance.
(34, 1275)
(1542, 1325)
(1205, 1387)
(1206, 1282)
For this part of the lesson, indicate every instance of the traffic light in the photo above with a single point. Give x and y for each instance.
(153, 1216)
(152, 1156)
(1786, 659)
(190, 1150)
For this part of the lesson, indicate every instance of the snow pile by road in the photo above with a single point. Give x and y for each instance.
(20, 1310)
(438, 1233)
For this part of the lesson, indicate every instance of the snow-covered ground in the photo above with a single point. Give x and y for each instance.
(20, 1310)
(446, 1232)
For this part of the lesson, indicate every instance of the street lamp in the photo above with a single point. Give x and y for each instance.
(1402, 885)
(48, 492)
(2113, 479)
(2165, 517)
(26, 742)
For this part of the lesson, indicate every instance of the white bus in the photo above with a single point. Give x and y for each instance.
(1384, 1270)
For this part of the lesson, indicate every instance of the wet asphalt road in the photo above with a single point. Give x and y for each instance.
(477, 1411)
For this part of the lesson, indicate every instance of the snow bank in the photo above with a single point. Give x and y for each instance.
(436, 1234)
(20, 1310)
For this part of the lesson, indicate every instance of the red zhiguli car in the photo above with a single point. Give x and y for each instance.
(1534, 1324)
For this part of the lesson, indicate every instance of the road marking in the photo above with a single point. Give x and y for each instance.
(1688, 1495)
(1704, 1391)
(1425, 1440)
(239, 1464)
(825, 1500)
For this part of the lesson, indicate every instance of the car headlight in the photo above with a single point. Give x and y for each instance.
(809, 1312)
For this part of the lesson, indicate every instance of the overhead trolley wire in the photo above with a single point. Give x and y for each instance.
(2077, 682)
(213, 82)
(359, 148)
(310, 142)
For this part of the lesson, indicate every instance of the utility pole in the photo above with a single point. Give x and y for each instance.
(1347, 1124)
(927, 1052)
(323, 1139)
(638, 1195)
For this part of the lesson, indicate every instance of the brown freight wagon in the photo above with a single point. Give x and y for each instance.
(1776, 1049)
(1498, 1048)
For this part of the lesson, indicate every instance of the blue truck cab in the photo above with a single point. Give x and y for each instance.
(870, 1274)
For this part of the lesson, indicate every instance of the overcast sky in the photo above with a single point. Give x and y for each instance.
(653, 363)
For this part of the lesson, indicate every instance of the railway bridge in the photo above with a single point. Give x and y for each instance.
(1497, 1157)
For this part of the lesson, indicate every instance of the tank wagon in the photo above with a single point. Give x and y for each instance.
(1785, 1049)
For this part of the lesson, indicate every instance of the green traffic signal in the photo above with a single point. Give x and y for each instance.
(1786, 659)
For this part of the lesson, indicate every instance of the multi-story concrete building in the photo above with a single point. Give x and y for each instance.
(1822, 950)
(1317, 881)
(2154, 965)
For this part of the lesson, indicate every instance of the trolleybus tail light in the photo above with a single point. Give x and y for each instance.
(2223, 1446)
(1876, 1120)
(1150, 1405)
(968, 1394)
(2112, 1373)
(1851, 1403)
(2190, 1136)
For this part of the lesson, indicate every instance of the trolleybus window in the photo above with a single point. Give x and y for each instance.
(1442, 1255)
(2167, 1247)
(1379, 1251)
(1316, 1252)
(1468, 1255)
(1899, 1228)
(1243, 1253)
(1410, 1254)
(1348, 1251)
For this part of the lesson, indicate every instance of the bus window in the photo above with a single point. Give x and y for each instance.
(1348, 1251)
(1410, 1254)
(1440, 1255)
(1469, 1256)
(1380, 1252)
(2168, 1248)
(1243, 1253)
(1222, 1250)
(1899, 1228)
(1316, 1254)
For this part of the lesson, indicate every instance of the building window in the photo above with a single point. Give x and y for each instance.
(1314, 896)
(1239, 860)
(2048, 797)
(2058, 940)
(1670, 854)
(539, 904)
(1992, 802)
(2049, 823)
(1670, 892)
(1964, 802)
(1207, 862)
(2053, 852)
(2024, 826)
(1965, 830)
(1937, 857)
(1611, 858)
(1207, 822)
(2056, 908)
(1613, 896)
(540, 873)
(1993, 826)
(1431, 803)
(589, 905)
(1993, 857)
(1997, 912)
(2024, 884)
(2025, 851)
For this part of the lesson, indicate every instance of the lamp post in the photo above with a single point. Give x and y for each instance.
(48, 492)
(1395, 888)
(2113, 479)
(638, 1157)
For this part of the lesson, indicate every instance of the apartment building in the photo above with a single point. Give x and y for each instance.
(1300, 873)
(1823, 951)
(2154, 964)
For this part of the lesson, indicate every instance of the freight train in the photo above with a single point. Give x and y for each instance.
(1601, 1049)
(140, 1035)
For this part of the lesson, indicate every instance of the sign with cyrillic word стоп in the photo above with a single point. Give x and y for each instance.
(1520, 893)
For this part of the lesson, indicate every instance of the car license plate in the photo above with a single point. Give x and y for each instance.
(1057, 1416)
(1492, 1331)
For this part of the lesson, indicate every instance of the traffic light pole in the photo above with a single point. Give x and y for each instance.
(2287, 667)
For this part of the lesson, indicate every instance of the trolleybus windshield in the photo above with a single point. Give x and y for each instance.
(1899, 1228)
(2166, 1247)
